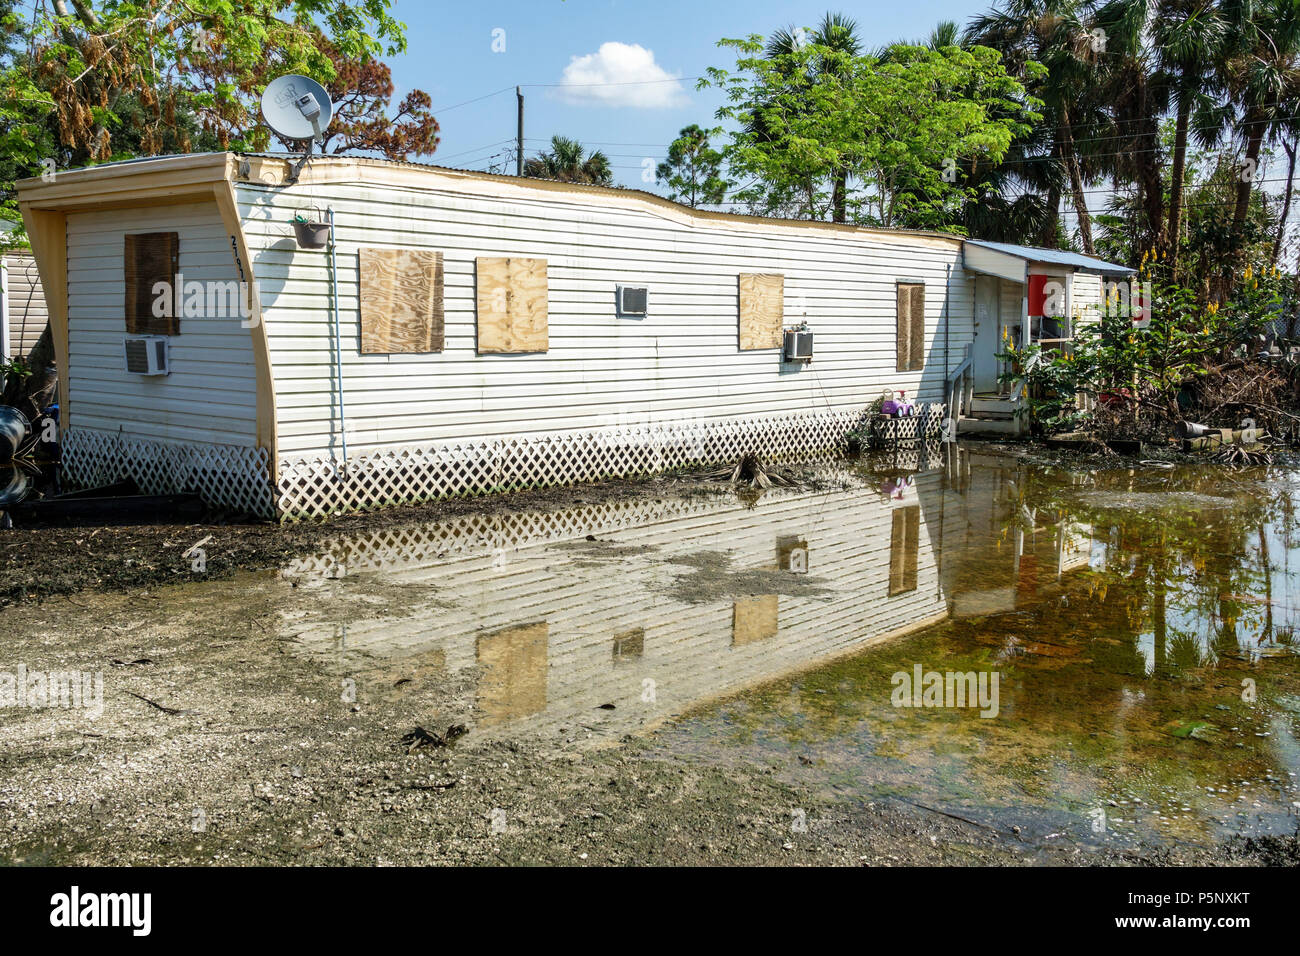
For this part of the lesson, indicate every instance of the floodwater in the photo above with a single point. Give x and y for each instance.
(1129, 638)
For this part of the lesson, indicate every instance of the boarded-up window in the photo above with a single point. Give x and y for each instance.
(762, 311)
(150, 263)
(904, 545)
(401, 300)
(911, 326)
(512, 305)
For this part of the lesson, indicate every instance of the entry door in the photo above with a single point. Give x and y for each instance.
(988, 331)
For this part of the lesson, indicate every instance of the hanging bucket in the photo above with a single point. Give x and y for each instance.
(313, 234)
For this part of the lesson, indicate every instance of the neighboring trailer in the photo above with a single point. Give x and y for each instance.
(22, 304)
(465, 332)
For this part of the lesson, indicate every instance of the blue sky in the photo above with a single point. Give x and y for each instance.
(580, 65)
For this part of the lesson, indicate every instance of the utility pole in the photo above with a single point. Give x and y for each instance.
(519, 136)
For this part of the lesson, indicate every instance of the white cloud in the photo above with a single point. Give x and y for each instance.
(621, 74)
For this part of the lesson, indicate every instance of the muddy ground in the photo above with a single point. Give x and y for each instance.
(258, 759)
(218, 744)
(42, 561)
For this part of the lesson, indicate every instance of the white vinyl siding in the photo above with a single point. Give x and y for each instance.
(680, 362)
(211, 393)
(24, 305)
(1086, 295)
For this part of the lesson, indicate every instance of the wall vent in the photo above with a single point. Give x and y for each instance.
(633, 300)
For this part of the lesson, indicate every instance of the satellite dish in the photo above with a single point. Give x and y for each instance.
(297, 108)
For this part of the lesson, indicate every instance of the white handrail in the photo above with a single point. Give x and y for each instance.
(960, 385)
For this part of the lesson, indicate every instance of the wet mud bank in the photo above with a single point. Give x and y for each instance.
(658, 672)
(258, 759)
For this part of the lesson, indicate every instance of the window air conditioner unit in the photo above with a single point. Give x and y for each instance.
(147, 355)
(633, 300)
(798, 345)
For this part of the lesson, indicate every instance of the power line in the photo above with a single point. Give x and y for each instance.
(476, 149)
(537, 86)
(485, 96)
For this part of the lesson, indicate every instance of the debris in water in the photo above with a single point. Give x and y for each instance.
(419, 737)
(750, 471)
(1242, 456)
(164, 709)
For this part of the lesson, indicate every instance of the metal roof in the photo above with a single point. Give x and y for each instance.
(1055, 257)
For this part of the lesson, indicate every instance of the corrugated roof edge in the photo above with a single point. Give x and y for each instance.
(1055, 256)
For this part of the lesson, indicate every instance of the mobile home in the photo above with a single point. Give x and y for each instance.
(467, 332)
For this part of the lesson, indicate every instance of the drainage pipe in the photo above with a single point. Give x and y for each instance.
(338, 339)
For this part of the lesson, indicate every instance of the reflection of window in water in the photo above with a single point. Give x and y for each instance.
(514, 663)
(903, 550)
(629, 645)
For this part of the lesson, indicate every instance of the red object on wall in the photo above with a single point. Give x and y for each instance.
(1038, 296)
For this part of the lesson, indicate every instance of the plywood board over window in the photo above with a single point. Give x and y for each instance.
(401, 300)
(512, 305)
(911, 326)
(762, 311)
(150, 261)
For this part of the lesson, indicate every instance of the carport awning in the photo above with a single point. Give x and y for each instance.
(1012, 262)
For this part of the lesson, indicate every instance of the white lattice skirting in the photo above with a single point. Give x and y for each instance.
(323, 486)
(236, 478)
(227, 476)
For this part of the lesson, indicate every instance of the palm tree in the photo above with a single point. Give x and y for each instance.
(945, 33)
(568, 161)
(839, 34)
(1261, 72)
(1053, 33)
(1139, 92)
(1189, 37)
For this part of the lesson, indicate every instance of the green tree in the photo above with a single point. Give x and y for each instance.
(901, 127)
(1261, 73)
(89, 81)
(568, 161)
(203, 60)
(693, 170)
(1048, 45)
(837, 33)
(1189, 38)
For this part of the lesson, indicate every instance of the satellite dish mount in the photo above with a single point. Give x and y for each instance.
(298, 109)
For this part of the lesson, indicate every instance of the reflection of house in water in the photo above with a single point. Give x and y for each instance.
(1005, 550)
(674, 602)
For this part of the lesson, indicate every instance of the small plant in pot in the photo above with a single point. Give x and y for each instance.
(311, 233)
